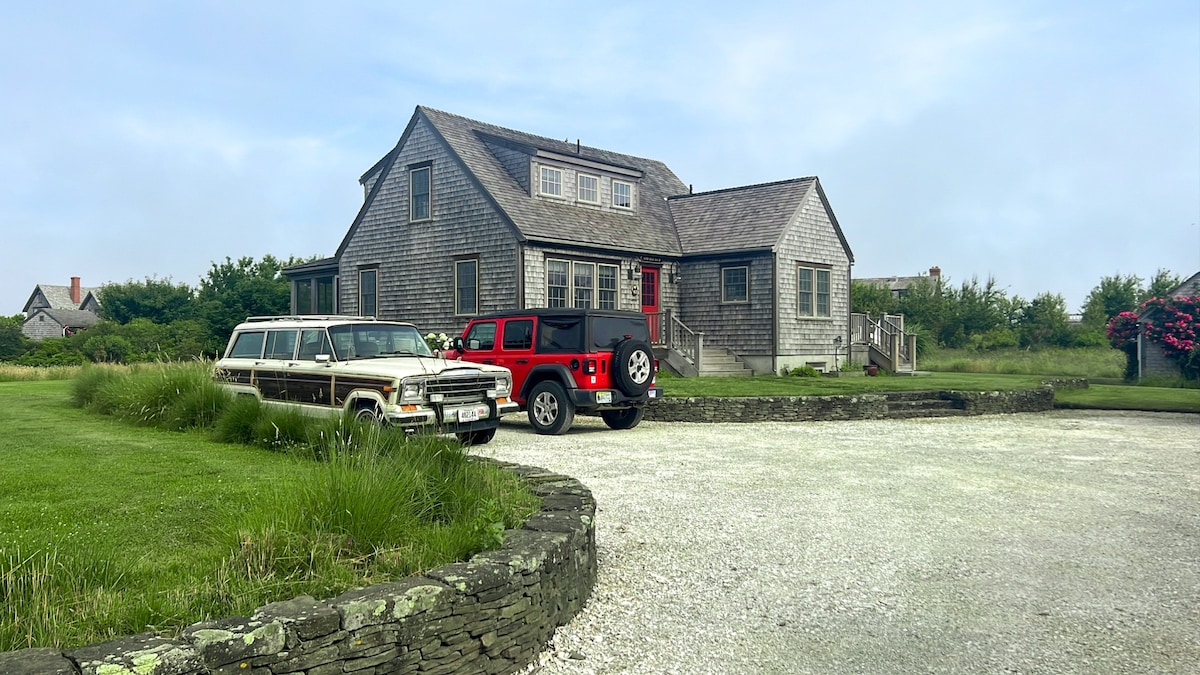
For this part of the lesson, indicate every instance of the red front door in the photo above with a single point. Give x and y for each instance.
(650, 300)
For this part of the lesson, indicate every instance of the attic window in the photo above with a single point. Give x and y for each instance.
(419, 193)
(622, 194)
(589, 189)
(551, 183)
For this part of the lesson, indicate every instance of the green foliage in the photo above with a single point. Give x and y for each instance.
(172, 397)
(802, 371)
(1161, 285)
(13, 342)
(1110, 297)
(195, 530)
(234, 290)
(158, 300)
(52, 352)
(1094, 362)
(1043, 322)
(871, 299)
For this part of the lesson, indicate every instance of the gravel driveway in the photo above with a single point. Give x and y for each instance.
(1055, 542)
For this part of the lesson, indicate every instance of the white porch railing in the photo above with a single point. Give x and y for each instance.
(887, 338)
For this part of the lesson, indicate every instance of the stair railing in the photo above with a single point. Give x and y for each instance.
(687, 342)
(887, 336)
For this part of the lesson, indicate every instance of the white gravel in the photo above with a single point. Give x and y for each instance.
(1040, 543)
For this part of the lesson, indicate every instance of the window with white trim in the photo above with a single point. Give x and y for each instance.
(558, 282)
(551, 183)
(812, 289)
(622, 194)
(574, 283)
(466, 287)
(589, 189)
(584, 284)
(606, 286)
(419, 194)
(735, 284)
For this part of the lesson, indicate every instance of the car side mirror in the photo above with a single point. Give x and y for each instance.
(457, 343)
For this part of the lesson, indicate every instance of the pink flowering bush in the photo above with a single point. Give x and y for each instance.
(1174, 325)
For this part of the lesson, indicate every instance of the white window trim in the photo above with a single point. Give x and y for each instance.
(813, 293)
(458, 309)
(724, 295)
(375, 300)
(542, 181)
(595, 289)
(412, 218)
(632, 200)
(579, 188)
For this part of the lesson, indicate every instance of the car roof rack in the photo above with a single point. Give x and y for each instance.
(310, 317)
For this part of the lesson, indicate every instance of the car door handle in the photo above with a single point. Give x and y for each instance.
(489, 361)
(522, 361)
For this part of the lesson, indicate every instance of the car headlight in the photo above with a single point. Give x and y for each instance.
(503, 385)
(411, 392)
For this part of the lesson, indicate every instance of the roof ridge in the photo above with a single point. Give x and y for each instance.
(745, 187)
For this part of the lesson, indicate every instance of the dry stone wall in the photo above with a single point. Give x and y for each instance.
(490, 614)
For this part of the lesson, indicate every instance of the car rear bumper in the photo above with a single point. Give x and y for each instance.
(611, 399)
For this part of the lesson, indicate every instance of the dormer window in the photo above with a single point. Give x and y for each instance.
(622, 194)
(589, 189)
(551, 183)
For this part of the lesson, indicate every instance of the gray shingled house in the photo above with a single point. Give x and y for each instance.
(55, 311)
(463, 218)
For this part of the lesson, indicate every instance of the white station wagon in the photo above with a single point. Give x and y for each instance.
(376, 370)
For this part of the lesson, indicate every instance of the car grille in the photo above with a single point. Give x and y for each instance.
(462, 388)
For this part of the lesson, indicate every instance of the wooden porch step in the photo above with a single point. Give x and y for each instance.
(720, 362)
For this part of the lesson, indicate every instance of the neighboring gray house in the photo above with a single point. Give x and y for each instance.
(899, 285)
(1152, 360)
(463, 218)
(55, 311)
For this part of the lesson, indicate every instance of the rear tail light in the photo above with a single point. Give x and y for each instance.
(589, 367)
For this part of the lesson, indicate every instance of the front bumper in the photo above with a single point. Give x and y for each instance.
(453, 418)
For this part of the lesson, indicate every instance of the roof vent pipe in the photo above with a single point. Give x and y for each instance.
(577, 146)
(689, 188)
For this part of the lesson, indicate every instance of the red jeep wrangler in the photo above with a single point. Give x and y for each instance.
(567, 360)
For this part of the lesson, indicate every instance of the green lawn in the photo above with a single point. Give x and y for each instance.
(1120, 397)
(110, 529)
(773, 385)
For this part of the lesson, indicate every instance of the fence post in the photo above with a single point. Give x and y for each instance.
(699, 353)
(895, 355)
(912, 350)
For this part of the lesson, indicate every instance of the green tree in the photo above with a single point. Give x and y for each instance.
(13, 342)
(1110, 297)
(1043, 322)
(157, 300)
(234, 290)
(1162, 283)
(871, 299)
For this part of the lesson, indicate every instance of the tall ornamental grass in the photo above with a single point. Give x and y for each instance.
(363, 504)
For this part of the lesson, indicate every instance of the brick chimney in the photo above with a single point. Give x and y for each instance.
(75, 290)
(935, 271)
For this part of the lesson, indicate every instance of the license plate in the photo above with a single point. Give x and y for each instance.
(604, 397)
(653, 393)
(472, 414)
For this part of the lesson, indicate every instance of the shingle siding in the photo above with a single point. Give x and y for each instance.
(810, 240)
(627, 298)
(416, 260)
(515, 162)
(745, 328)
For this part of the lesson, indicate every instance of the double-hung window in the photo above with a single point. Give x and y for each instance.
(551, 183)
(812, 285)
(589, 189)
(368, 281)
(735, 284)
(622, 194)
(581, 284)
(419, 193)
(466, 287)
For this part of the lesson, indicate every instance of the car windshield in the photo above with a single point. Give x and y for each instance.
(376, 340)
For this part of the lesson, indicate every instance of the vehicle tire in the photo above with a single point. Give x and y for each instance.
(627, 418)
(633, 366)
(369, 414)
(480, 437)
(550, 411)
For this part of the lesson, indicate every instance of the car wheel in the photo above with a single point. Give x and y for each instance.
(623, 419)
(369, 414)
(480, 437)
(633, 366)
(550, 411)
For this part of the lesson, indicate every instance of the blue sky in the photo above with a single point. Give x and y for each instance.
(1043, 144)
